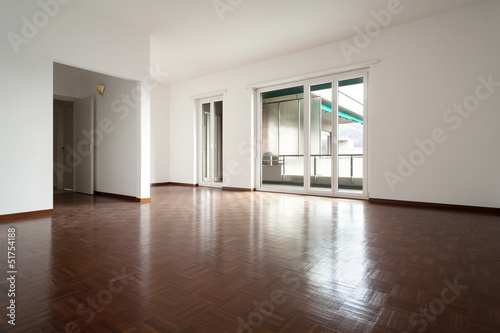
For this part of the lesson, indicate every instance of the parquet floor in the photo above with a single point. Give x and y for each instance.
(204, 260)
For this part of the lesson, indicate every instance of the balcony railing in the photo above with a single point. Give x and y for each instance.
(292, 165)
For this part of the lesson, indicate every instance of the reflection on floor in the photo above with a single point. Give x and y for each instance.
(206, 260)
(297, 188)
(62, 191)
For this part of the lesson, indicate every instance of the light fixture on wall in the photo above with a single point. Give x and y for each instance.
(100, 89)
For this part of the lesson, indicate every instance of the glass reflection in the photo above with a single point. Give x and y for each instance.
(350, 94)
(282, 138)
(320, 136)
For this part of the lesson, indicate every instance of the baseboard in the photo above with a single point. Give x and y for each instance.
(237, 189)
(26, 215)
(174, 184)
(160, 184)
(477, 209)
(183, 184)
(123, 197)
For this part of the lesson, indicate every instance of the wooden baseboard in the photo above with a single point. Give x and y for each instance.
(183, 184)
(26, 215)
(476, 209)
(237, 189)
(160, 184)
(123, 197)
(174, 184)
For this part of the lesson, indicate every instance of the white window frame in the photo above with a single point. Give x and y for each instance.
(307, 83)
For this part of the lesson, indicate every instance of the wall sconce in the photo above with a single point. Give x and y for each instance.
(100, 89)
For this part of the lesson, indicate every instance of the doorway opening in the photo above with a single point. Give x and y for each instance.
(73, 150)
(63, 146)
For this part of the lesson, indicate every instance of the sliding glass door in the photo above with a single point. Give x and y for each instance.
(316, 128)
(321, 129)
(283, 138)
(350, 135)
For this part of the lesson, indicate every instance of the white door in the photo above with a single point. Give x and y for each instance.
(84, 129)
(313, 136)
(59, 170)
(68, 147)
(211, 122)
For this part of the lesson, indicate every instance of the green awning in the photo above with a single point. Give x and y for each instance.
(342, 113)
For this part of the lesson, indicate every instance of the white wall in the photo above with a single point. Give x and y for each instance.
(66, 81)
(425, 67)
(73, 36)
(116, 133)
(160, 134)
(437, 65)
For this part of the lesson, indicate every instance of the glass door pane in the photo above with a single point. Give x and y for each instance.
(350, 96)
(282, 138)
(320, 122)
(218, 142)
(206, 138)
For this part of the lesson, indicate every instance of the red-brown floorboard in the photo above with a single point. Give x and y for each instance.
(206, 260)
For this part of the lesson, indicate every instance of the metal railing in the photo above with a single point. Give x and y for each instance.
(281, 160)
(351, 157)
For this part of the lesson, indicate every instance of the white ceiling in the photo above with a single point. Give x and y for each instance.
(189, 39)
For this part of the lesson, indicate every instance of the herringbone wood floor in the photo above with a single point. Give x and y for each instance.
(204, 260)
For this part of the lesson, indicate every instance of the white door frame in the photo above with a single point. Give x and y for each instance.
(366, 122)
(209, 181)
(333, 79)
